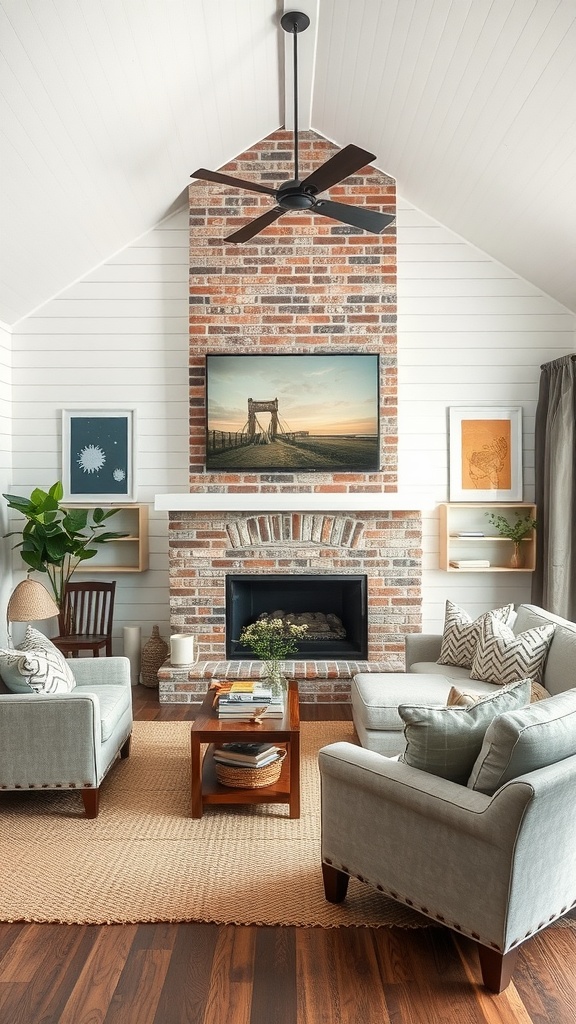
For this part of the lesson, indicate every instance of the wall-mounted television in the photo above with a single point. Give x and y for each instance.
(293, 413)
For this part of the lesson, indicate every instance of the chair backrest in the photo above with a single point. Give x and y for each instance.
(88, 609)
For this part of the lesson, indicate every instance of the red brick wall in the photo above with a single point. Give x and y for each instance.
(306, 284)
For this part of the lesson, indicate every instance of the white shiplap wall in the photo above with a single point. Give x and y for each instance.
(5, 469)
(470, 332)
(119, 338)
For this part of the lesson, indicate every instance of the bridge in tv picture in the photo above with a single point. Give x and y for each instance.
(277, 448)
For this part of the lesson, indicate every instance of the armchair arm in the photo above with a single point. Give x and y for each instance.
(101, 671)
(47, 741)
(422, 647)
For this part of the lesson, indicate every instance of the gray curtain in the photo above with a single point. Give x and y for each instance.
(554, 582)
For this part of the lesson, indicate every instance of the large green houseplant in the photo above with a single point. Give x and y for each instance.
(55, 539)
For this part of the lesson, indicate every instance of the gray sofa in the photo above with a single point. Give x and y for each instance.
(376, 696)
(68, 740)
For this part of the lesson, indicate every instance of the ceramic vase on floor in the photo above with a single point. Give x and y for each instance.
(154, 654)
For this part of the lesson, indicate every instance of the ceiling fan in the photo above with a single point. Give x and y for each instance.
(303, 195)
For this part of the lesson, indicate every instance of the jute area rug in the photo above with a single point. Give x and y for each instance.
(145, 859)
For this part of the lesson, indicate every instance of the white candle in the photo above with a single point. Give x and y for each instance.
(181, 649)
(133, 650)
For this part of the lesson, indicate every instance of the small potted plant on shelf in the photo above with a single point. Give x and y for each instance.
(272, 640)
(55, 539)
(513, 531)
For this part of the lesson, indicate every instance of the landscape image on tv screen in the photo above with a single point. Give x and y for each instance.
(292, 413)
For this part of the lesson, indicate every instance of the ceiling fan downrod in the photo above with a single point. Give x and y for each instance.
(295, 22)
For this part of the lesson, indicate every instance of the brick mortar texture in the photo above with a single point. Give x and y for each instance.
(307, 284)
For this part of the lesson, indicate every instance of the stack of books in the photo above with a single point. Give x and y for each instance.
(246, 755)
(244, 700)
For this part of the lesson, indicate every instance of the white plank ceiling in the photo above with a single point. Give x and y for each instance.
(106, 106)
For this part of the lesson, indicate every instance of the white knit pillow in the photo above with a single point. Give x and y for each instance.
(501, 657)
(461, 633)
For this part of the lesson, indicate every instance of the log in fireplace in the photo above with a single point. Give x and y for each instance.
(343, 596)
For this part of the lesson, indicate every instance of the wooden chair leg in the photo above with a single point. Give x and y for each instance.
(91, 798)
(335, 883)
(497, 968)
(125, 748)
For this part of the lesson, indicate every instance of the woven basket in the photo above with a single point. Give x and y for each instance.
(249, 777)
(154, 654)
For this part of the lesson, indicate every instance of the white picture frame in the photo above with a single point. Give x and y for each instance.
(485, 453)
(98, 455)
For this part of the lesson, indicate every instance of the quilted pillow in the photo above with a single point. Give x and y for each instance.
(502, 657)
(36, 665)
(447, 741)
(525, 740)
(461, 633)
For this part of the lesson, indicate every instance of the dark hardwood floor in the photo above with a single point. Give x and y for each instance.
(212, 974)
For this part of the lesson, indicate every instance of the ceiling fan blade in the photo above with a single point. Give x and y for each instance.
(227, 179)
(338, 167)
(356, 216)
(255, 226)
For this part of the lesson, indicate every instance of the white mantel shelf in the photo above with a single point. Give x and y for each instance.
(289, 502)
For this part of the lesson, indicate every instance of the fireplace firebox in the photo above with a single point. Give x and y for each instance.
(343, 597)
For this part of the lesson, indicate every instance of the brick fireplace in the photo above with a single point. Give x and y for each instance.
(305, 285)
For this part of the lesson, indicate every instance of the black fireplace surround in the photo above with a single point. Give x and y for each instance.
(248, 596)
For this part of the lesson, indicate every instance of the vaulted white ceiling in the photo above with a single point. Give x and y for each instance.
(107, 106)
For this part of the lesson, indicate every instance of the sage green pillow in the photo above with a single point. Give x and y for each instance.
(522, 741)
(446, 741)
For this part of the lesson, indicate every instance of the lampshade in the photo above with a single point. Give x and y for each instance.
(30, 602)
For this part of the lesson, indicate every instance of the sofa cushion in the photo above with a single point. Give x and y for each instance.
(433, 668)
(35, 666)
(114, 701)
(503, 657)
(462, 633)
(446, 741)
(522, 741)
(376, 695)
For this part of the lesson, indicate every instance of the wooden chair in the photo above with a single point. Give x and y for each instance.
(85, 621)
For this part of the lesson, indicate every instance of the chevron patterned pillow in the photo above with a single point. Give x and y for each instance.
(39, 671)
(36, 665)
(34, 640)
(461, 633)
(501, 657)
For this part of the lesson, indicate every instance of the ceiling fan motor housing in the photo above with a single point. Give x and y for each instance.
(292, 196)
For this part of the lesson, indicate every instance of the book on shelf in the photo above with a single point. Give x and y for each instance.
(244, 713)
(241, 761)
(259, 696)
(470, 533)
(470, 563)
(247, 750)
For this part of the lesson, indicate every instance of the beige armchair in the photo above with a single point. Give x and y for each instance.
(496, 868)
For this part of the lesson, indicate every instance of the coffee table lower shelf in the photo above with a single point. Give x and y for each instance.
(213, 792)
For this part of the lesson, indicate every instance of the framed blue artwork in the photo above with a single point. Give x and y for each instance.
(98, 455)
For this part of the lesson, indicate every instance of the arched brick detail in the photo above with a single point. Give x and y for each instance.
(332, 530)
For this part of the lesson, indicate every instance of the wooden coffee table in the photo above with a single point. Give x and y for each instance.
(208, 728)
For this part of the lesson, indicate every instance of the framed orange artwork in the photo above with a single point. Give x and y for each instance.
(485, 454)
